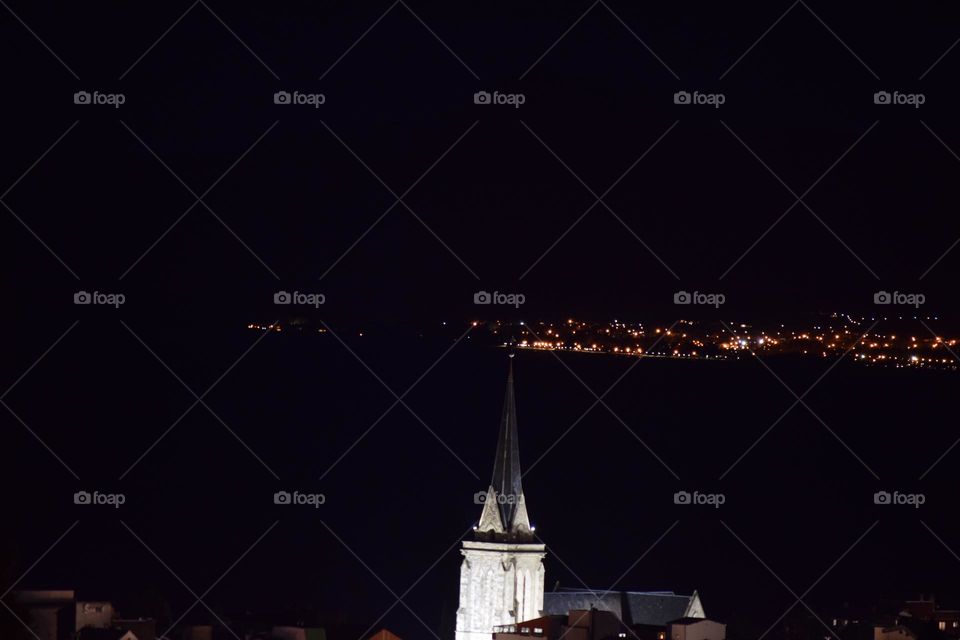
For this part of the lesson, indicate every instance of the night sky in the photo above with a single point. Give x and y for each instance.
(398, 199)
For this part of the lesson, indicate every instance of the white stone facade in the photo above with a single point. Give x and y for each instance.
(500, 583)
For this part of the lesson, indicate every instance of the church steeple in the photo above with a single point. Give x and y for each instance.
(501, 576)
(504, 511)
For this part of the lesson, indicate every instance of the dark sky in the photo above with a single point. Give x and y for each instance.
(798, 194)
(498, 200)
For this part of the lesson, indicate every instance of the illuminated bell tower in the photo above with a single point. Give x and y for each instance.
(501, 577)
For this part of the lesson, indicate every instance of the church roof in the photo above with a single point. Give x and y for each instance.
(632, 607)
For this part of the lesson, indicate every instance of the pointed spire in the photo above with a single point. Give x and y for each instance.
(506, 467)
(504, 511)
